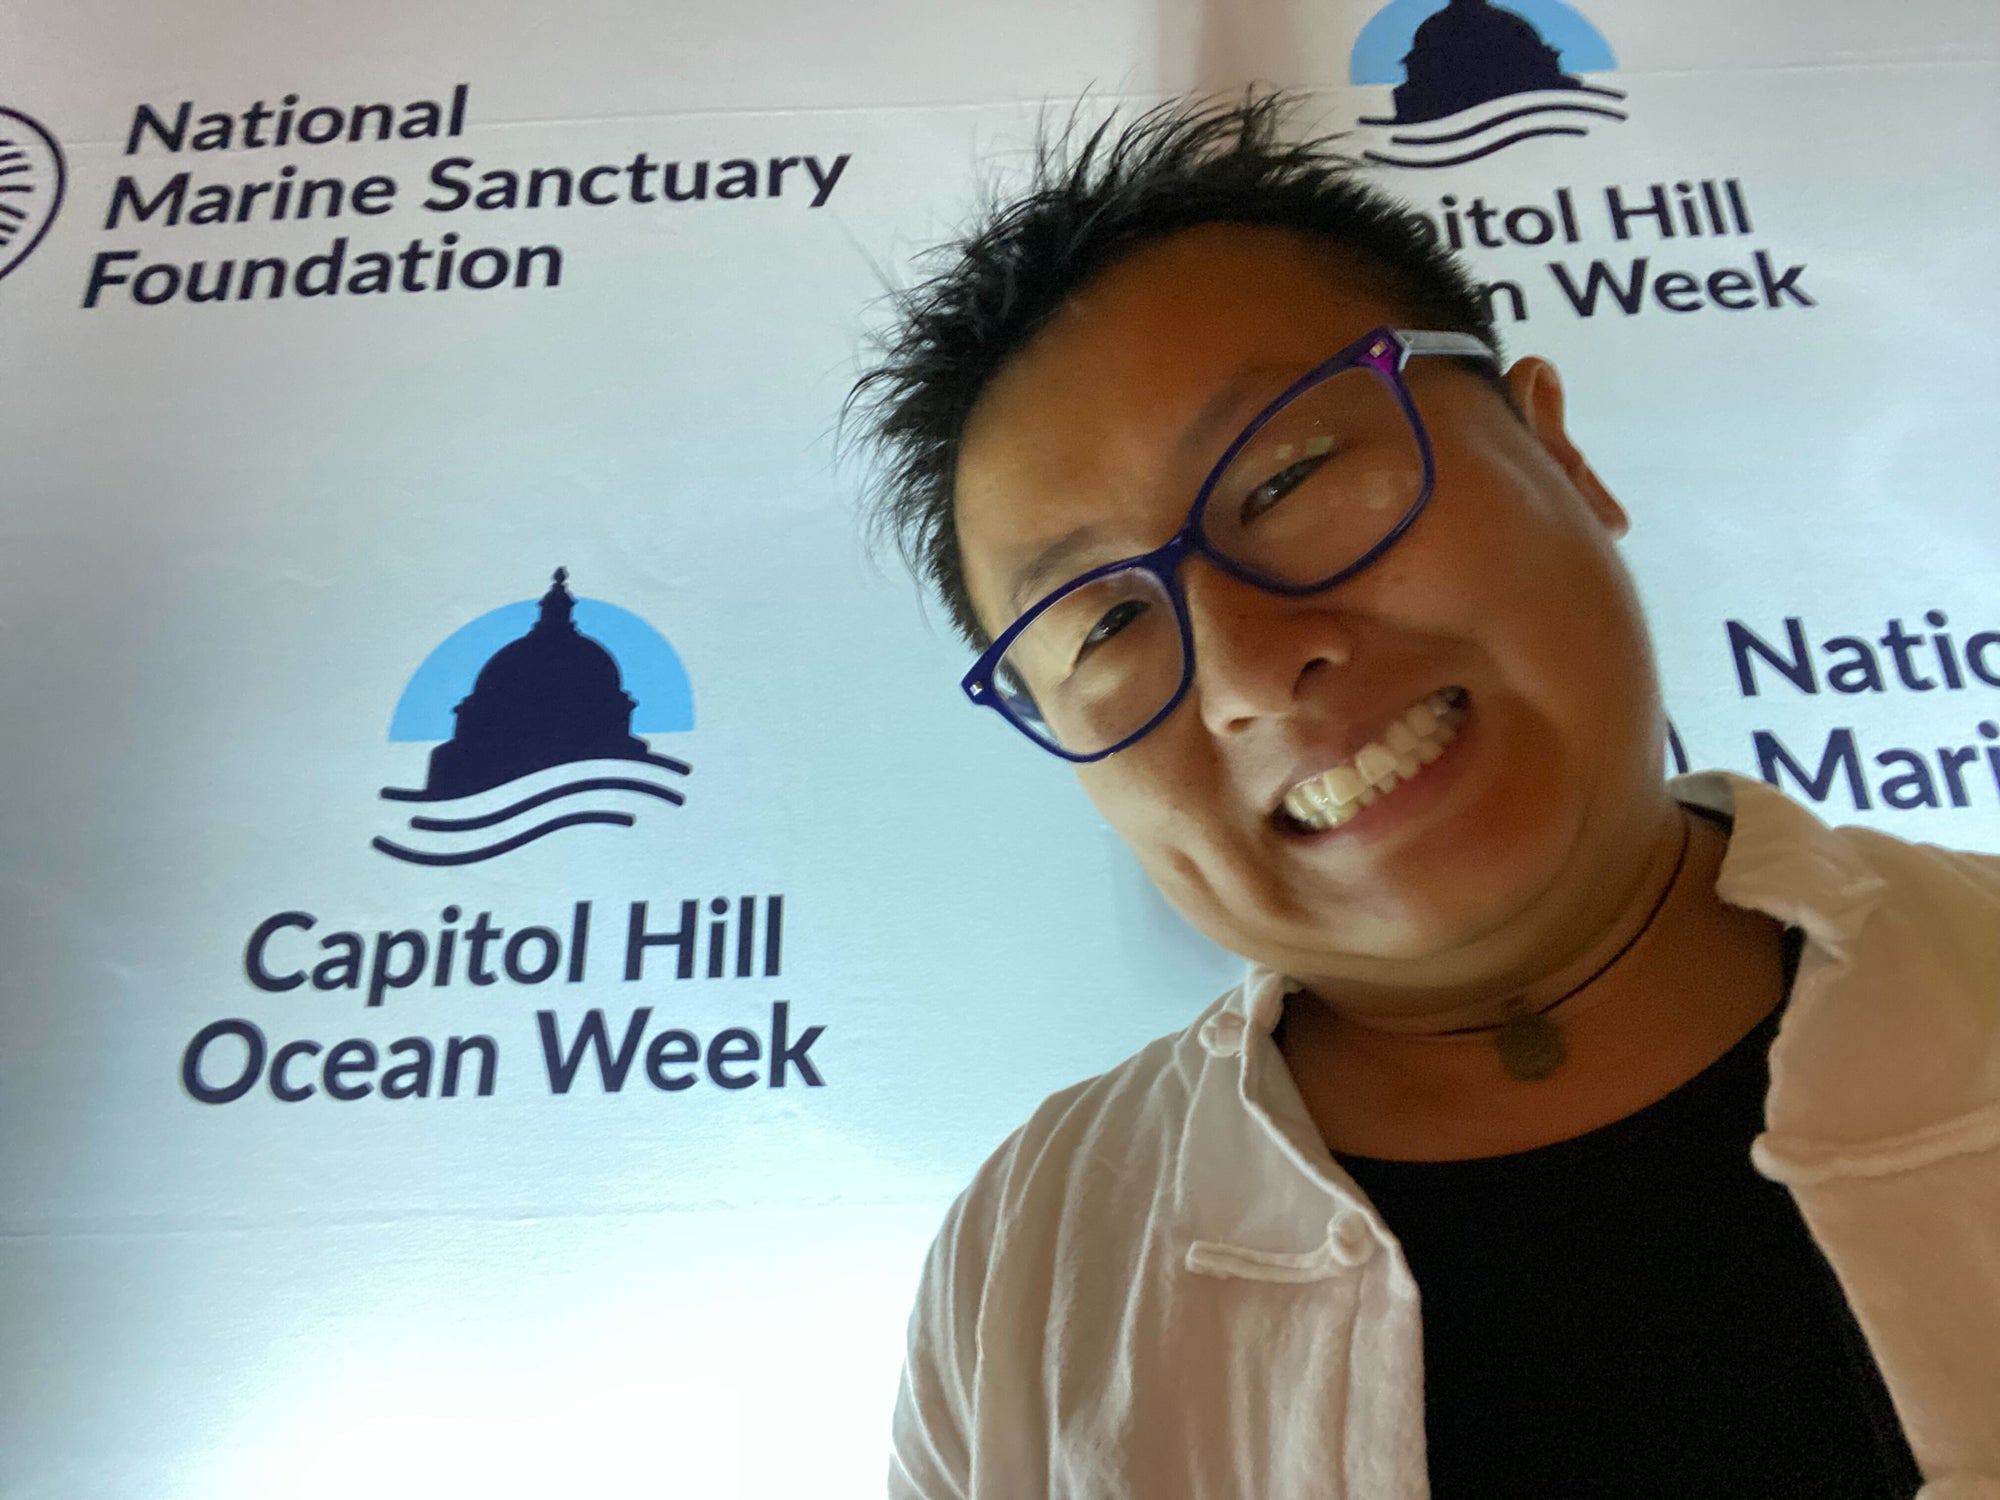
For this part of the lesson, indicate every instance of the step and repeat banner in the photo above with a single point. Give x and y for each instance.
(509, 936)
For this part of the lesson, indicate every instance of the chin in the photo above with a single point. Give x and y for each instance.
(1440, 894)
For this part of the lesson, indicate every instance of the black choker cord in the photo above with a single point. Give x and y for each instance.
(1530, 1045)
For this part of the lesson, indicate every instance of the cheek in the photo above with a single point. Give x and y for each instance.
(1144, 811)
(1199, 871)
(1510, 561)
(1509, 550)
(1166, 799)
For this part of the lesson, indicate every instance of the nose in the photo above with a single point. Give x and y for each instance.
(1256, 654)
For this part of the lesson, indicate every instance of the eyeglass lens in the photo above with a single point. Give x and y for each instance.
(1320, 486)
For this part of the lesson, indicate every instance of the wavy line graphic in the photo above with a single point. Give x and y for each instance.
(502, 818)
(589, 784)
(1479, 128)
(1487, 150)
(527, 836)
(1471, 111)
(1513, 114)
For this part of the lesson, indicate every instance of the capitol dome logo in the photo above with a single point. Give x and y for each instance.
(1471, 77)
(32, 178)
(538, 707)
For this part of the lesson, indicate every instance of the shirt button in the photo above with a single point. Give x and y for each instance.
(1222, 1034)
(1349, 1240)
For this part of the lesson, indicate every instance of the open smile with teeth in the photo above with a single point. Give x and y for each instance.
(1414, 741)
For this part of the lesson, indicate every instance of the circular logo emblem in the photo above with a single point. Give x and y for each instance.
(31, 186)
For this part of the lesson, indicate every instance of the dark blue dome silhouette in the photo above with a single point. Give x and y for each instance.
(551, 697)
(1472, 52)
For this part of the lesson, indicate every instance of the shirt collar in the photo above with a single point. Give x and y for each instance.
(1781, 861)
(1784, 862)
(1237, 1029)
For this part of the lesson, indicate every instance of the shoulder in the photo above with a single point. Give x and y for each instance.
(1892, 1037)
(1949, 887)
(1042, 1216)
(1113, 1135)
(1088, 1169)
(1840, 882)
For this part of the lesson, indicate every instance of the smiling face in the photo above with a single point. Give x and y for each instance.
(1505, 610)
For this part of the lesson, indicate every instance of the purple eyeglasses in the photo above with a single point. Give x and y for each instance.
(1321, 483)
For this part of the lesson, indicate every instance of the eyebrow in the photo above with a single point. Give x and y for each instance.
(1049, 566)
(1053, 564)
(1249, 385)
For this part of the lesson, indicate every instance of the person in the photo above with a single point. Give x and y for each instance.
(1575, 1131)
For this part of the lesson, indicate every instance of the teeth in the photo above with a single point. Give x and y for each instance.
(1414, 741)
(1377, 764)
(1341, 784)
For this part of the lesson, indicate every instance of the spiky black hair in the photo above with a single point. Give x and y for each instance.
(1096, 195)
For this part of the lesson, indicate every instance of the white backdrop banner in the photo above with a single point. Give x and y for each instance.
(509, 936)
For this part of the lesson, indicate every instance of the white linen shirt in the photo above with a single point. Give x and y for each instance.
(1163, 1285)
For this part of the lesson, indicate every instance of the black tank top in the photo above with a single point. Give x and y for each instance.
(1637, 1312)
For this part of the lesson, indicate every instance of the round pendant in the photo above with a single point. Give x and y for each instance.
(1531, 1047)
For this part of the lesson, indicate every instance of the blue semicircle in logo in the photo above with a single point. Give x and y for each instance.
(648, 665)
(1385, 41)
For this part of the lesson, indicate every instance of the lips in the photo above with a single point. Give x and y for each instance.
(1411, 742)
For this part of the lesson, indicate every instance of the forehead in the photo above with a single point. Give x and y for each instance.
(1105, 422)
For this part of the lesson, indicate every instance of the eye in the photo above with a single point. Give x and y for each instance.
(1113, 620)
(1265, 497)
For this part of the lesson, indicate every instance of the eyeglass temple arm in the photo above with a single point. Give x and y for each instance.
(1454, 345)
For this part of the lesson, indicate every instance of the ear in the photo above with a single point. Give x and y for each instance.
(1538, 397)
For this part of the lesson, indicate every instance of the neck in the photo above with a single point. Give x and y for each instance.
(1687, 986)
(1602, 956)
(1554, 946)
